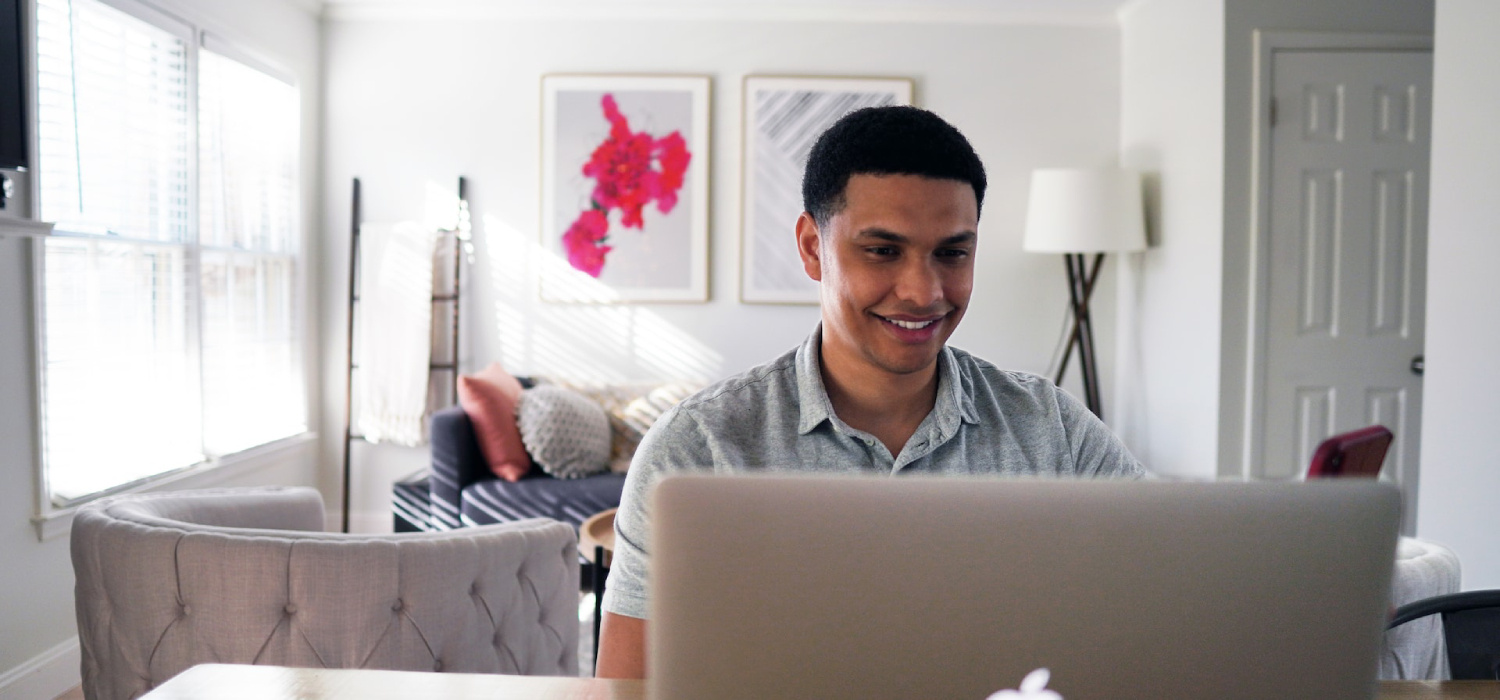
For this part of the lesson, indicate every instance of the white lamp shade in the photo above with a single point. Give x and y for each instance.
(1077, 210)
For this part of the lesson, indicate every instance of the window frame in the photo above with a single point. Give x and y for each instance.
(53, 519)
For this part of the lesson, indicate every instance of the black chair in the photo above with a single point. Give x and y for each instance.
(1471, 628)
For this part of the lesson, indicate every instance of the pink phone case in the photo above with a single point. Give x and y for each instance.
(1357, 453)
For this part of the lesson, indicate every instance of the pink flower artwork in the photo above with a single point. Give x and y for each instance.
(630, 170)
(584, 242)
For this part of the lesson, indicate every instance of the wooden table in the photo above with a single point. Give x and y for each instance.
(230, 682)
(1447, 690)
(226, 682)
(598, 531)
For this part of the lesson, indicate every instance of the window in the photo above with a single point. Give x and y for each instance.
(247, 135)
(170, 286)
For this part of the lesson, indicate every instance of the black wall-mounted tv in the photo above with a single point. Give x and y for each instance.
(13, 144)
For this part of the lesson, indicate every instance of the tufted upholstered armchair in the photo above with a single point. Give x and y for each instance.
(166, 581)
(1416, 650)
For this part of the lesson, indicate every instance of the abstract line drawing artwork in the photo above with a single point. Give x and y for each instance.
(624, 188)
(783, 118)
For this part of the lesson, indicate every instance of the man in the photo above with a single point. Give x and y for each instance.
(892, 198)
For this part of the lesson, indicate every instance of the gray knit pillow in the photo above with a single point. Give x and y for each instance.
(566, 433)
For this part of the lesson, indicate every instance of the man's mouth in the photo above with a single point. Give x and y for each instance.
(910, 325)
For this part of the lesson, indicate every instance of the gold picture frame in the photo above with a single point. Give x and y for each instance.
(624, 188)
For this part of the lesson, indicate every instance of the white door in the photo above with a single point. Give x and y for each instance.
(1348, 241)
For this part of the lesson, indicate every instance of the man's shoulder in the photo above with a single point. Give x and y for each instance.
(747, 391)
(728, 415)
(1038, 414)
(980, 380)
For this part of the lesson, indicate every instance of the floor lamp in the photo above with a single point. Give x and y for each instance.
(1080, 213)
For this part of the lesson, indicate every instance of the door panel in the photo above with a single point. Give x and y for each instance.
(1317, 242)
(1348, 215)
(1390, 293)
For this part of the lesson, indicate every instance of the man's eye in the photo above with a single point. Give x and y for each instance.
(881, 250)
(953, 253)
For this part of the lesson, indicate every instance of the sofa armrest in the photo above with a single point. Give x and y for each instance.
(456, 463)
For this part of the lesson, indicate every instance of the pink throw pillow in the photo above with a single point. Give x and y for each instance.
(490, 398)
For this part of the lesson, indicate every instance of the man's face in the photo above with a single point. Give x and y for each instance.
(896, 267)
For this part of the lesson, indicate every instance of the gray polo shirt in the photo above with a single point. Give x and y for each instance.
(777, 417)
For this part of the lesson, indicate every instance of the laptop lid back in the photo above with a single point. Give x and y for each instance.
(821, 587)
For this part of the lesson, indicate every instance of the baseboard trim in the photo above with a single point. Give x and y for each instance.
(47, 675)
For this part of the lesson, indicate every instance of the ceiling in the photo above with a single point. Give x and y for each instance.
(993, 11)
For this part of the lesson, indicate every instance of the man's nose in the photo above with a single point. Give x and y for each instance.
(919, 284)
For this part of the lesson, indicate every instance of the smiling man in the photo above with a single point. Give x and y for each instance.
(892, 197)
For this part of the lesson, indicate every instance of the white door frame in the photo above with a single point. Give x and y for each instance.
(1267, 44)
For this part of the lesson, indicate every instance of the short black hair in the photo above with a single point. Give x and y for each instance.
(898, 140)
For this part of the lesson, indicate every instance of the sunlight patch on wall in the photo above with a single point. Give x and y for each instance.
(595, 341)
(671, 352)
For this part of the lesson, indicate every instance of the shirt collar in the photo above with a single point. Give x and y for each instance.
(812, 398)
(953, 403)
(954, 385)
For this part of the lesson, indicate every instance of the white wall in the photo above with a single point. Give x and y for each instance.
(419, 102)
(1171, 128)
(36, 614)
(1460, 466)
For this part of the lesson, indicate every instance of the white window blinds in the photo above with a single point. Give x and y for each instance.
(113, 122)
(170, 294)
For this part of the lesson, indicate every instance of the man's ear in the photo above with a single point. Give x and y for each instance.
(809, 246)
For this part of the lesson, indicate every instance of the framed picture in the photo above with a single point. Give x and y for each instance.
(624, 188)
(783, 117)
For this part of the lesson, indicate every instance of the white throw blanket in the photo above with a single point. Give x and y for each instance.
(395, 330)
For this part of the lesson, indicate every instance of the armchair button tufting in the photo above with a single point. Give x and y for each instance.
(437, 665)
(187, 610)
(291, 608)
(397, 606)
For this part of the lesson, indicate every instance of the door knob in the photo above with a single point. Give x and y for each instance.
(1417, 365)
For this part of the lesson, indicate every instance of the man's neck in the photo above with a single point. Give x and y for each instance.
(887, 405)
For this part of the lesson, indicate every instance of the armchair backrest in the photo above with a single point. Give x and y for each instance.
(166, 581)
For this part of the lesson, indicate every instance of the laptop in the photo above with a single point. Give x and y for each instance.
(828, 587)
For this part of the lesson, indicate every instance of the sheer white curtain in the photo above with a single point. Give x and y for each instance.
(247, 133)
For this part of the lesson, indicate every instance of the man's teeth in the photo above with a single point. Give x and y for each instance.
(912, 325)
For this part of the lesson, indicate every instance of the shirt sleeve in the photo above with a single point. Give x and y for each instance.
(1097, 451)
(675, 443)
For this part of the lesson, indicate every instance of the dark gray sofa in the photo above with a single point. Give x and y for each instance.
(460, 490)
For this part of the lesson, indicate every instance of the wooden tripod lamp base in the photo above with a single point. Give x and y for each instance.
(1082, 212)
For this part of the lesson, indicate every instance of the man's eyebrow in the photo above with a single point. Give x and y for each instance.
(960, 238)
(893, 237)
(882, 234)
